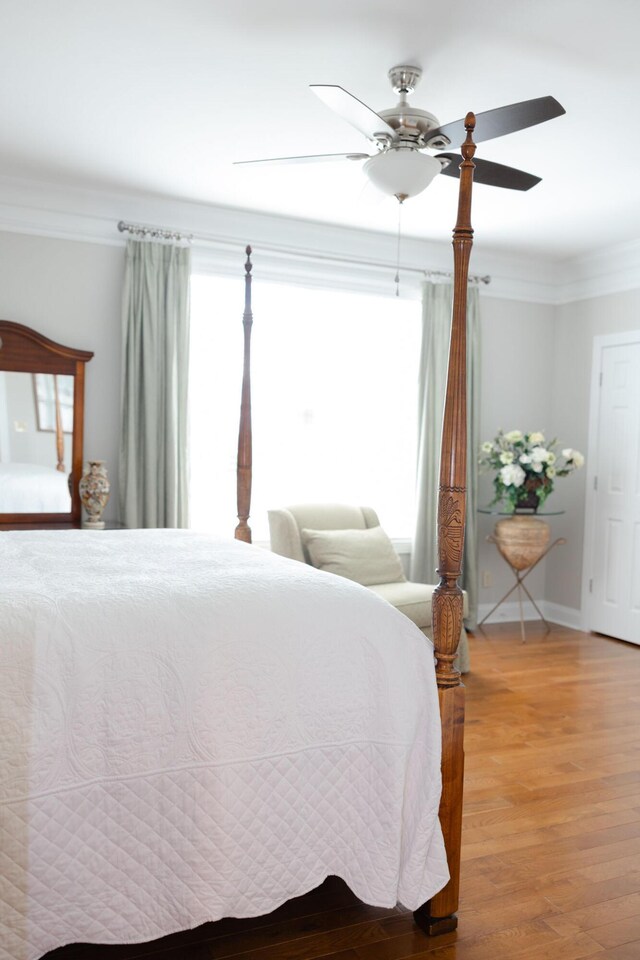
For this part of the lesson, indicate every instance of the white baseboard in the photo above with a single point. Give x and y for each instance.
(508, 612)
(553, 612)
(564, 616)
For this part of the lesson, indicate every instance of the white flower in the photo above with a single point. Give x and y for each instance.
(506, 457)
(536, 437)
(551, 471)
(551, 458)
(537, 467)
(574, 457)
(487, 446)
(513, 436)
(524, 458)
(512, 475)
(539, 455)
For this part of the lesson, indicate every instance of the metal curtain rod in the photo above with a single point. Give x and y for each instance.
(154, 233)
(142, 230)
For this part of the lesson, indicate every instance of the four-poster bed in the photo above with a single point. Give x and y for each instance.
(200, 728)
(439, 914)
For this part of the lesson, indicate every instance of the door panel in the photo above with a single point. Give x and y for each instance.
(635, 569)
(615, 607)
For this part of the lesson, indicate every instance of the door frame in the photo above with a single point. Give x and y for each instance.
(600, 343)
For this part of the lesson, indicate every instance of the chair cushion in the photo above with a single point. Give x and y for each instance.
(412, 599)
(366, 556)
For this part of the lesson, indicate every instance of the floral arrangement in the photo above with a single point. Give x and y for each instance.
(526, 467)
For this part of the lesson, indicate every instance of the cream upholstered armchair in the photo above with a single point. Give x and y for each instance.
(350, 542)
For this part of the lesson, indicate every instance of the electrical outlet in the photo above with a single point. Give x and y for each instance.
(487, 579)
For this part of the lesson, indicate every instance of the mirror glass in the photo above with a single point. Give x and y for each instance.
(36, 442)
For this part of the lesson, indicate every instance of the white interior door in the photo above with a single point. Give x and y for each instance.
(615, 576)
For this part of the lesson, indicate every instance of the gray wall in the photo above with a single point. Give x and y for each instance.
(536, 367)
(517, 351)
(536, 370)
(576, 326)
(71, 293)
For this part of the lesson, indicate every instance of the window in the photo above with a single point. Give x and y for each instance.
(334, 396)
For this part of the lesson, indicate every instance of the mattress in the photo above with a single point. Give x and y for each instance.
(193, 729)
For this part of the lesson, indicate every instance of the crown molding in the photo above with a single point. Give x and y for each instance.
(303, 251)
(611, 270)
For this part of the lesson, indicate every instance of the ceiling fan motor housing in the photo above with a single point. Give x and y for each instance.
(408, 121)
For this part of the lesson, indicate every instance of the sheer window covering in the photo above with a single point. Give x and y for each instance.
(155, 359)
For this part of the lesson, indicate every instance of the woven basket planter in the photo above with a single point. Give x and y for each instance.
(522, 540)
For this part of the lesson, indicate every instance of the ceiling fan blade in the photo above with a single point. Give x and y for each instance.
(493, 174)
(354, 111)
(503, 120)
(314, 158)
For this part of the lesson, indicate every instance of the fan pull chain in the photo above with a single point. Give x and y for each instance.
(400, 197)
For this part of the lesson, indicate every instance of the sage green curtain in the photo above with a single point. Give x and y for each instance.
(437, 305)
(155, 359)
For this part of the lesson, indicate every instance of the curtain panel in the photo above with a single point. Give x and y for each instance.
(437, 305)
(155, 361)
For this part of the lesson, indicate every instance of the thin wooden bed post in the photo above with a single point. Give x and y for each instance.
(59, 431)
(439, 915)
(243, 530)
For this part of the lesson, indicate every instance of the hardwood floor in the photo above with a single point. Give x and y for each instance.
(551, 844)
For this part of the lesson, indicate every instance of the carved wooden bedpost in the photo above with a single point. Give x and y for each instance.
(438, 916)
(243, 530)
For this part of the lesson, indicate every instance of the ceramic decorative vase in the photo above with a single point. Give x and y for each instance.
(522, 540)
(94, 493)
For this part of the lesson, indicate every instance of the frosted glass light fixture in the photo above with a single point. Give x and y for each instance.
(402, 172)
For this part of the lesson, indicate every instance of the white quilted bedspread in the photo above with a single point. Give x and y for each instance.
(192, 729)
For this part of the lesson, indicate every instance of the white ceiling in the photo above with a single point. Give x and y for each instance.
(161, 95)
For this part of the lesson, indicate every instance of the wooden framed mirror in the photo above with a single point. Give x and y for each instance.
(41, 428)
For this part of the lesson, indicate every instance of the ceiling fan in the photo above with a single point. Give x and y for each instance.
(402, 136)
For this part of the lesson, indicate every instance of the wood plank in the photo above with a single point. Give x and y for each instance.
(626, 951)
(623, 932)
(597, 915)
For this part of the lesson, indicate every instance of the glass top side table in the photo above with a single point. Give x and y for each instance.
(494, 512)
(523, 540)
